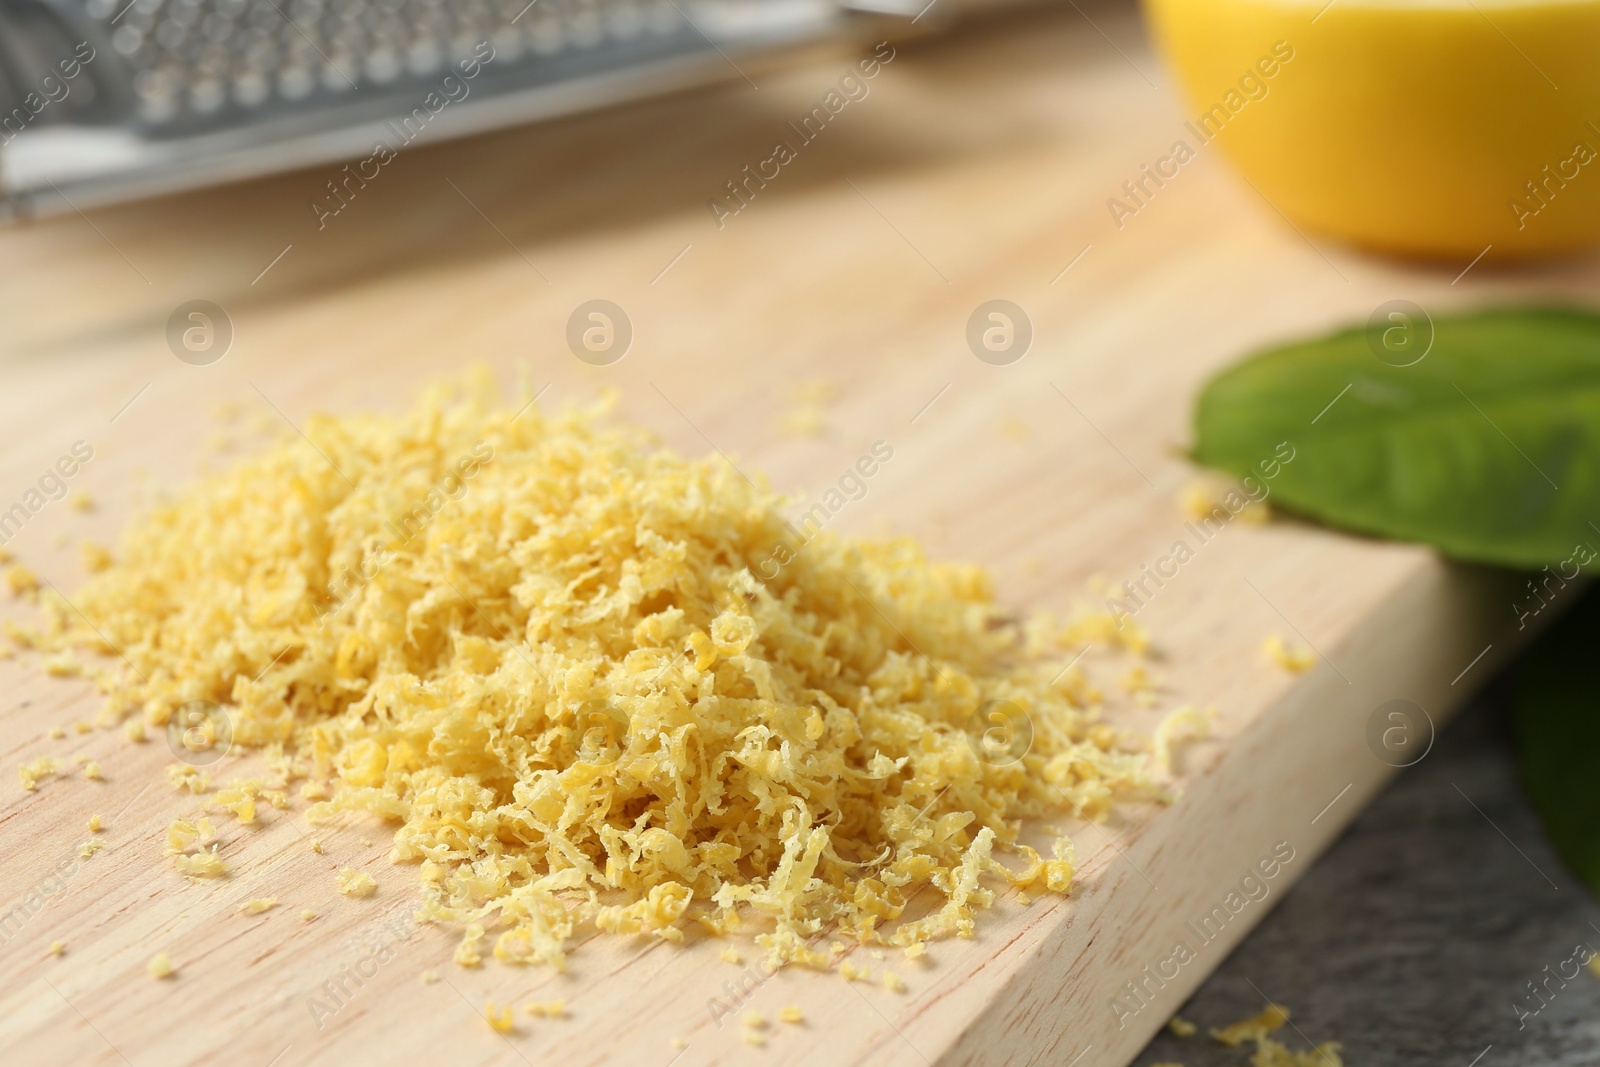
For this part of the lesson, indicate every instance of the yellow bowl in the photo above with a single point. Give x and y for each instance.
(1426, 127)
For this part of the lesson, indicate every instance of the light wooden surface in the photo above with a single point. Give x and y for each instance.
(978, 167)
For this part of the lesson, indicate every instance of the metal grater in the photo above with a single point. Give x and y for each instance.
(195, 63)
(167, 94)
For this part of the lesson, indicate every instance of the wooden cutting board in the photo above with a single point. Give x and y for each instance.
(977, 168)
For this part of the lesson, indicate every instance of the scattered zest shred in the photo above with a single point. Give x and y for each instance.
(184, 835)
(354, 883)
(203, 864)
(1291, 658)
(1235, 1034)
(1215, 499)
(1270, 1053)
(1183, 724)
(183, 776)
(20, 580)
(34, 771)
(500, 1017)
(95, 557)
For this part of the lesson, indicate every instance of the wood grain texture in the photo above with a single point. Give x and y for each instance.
(978, 167)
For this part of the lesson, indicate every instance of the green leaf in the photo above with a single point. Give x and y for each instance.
(1558, 735)
(1487, 447)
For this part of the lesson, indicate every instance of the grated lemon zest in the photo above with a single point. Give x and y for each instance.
(544, 650)
(1291, 658)
(1270, 1053)
(1257, 1026)
(499, 1016)
(354, 883)
(36, 770)
(20, 580)
(1184, 724)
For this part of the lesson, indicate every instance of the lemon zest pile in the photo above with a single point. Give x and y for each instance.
(546, 652)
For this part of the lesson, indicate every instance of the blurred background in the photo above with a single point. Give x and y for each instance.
(334, 200)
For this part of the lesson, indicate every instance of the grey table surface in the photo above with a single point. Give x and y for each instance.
(1414, 938)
